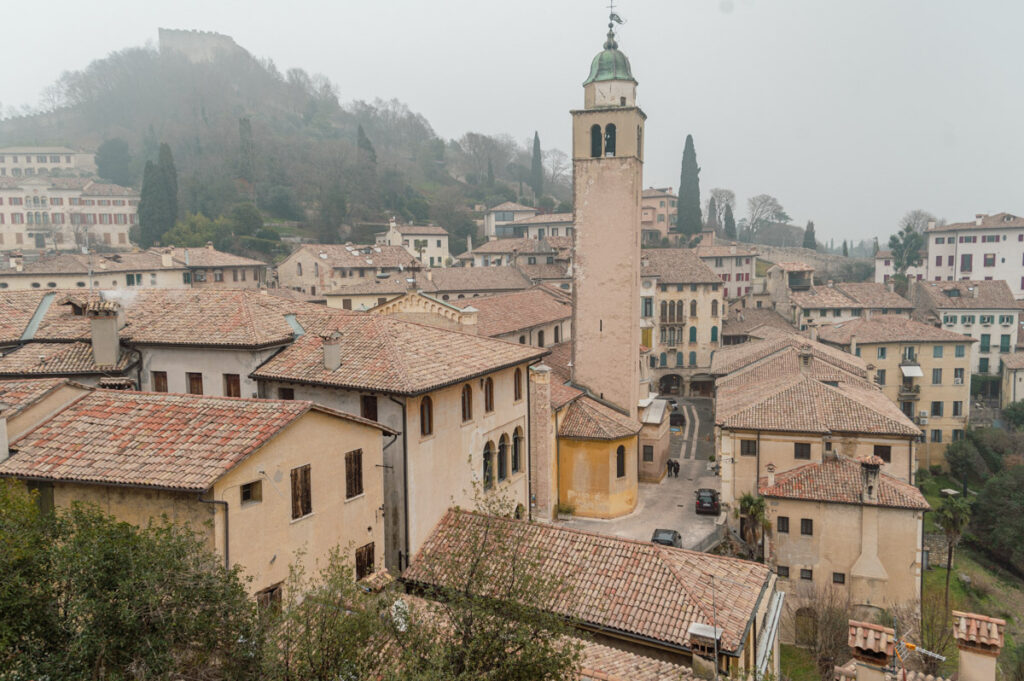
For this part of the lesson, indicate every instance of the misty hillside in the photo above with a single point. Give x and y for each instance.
(241, 130)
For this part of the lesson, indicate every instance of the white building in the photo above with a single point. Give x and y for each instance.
(497, 219)
(884, 268)
(64, 213)
(27, 161)
(428, 243)
(988, 249)
(733, 263)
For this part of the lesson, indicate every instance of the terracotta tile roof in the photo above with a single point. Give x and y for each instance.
(588, 419)
(656, 192)
(676, 266)
(562, 393)
(978, 630)
(637, 588)
(510, 205)
(967, 295)
(733, 357)
(17, 394)
(542, 271)
(604, 663)
(509, 312)
(887, 329)
(59, 359)
(794, 267)
(1014, 361)
(847, 295)
(102, 189)
(872, 638)
(164, 440)
(210, 257)
(523, 245)
(361, 256)
(419, 230)
(724, 250)
(16, 310)
(559, 359)
(386, 354)
(848, 672)
(839, 480)
(996, 221)
(545, 219)
(455, 279)
(744, 321)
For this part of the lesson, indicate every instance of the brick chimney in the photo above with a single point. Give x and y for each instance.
(979, 640)
(543, 481)
(873, 647)
(332, 350)
(17, 261)
(209, 245)
(869, 471)
(853, 344)
(104, 324)
(771, 474)
(469, 319)
(167, 257)
(978, 217)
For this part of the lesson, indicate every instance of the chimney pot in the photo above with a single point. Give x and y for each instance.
(771, 474)
(332, 350)
(209, 245)
(106, 344)
(978, 217)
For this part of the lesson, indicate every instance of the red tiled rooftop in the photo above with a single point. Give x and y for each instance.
(58, 359)
(978, 630)
(508, 312)
(839, 481)
(588, 419)
(17, 394)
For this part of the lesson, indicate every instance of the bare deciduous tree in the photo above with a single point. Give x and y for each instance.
(764, 209)
(557, 165)
(723, 198)
(820, 617)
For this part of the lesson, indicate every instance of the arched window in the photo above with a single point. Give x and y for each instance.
(663, 359)
(595, 141)
(488, 394)
(693, 359)
(664, 310)
(522, 340)
(679, 310)
(671, 312)
(639, 140)
(714, 308)
(556, 333)
(679, 359)
(714, 334)
(609, 139)
(693, 334)
(503, 458)
(298, 268)
(693, 308)
(467, 403)
(517, 450)
(540, 339)
(489, 465)
(517, 385)
(620, 462)
(426, 416)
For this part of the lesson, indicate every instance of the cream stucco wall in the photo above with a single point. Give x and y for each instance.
(22, 281)
(212, 363)
(31, 416)
(1012, 387)
(678, 353)
(588, 481)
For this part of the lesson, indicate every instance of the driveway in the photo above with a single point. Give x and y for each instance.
(670, 503)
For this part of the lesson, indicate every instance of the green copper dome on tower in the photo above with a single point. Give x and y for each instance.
(610, 63)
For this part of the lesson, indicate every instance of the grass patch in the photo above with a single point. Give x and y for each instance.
(761, 267)
(931, 489)
(796, 664)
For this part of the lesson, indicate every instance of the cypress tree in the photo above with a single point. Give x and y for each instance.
(689, 218)
(712, 214)
(846, 250)
(169, 182)
(490, 173)
(367, 154)
(729, 223)
(809, 240)
(536, 168)
(154, 210)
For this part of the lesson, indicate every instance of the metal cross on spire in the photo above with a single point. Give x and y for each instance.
(612, 16)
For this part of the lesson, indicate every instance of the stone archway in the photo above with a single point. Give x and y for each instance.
(670, 384)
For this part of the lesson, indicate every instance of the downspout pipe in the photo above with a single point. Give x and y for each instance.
(529, 449)
(227, 531)
(405, 481)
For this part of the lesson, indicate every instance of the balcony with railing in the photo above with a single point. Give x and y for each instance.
(909, 392)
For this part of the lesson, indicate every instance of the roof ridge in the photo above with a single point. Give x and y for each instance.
(697, 602)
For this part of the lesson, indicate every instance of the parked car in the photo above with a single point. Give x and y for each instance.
(707, 501)
(668, 538)
(676, 418)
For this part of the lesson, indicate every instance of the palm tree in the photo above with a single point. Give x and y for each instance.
(953, 515)
(751, 512)
(420, 245)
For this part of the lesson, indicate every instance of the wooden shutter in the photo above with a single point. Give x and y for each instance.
(195, 383)
(296, 494)
(353, 473)
(302, 500)
(364, 561)
(160, 381)
(232, 385)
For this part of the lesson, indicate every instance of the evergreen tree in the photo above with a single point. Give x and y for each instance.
(367, 154)
(536, 168)
(729, 223)
(169, 181)
(689, 219)
(154, 209)
(490, 173)
(809, 240)
(114, 161)
(846, 250)
(246, 150)
(712, 214)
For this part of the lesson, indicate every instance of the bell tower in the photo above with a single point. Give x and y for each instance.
(607, 151)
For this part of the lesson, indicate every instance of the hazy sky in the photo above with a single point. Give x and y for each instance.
(851, 112)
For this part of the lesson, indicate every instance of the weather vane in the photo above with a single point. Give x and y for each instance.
(612, 16)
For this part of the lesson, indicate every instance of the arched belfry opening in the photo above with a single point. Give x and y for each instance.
(595, 141)
(609, 139)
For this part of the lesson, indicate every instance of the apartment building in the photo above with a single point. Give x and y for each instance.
(682, 311)
(446, 284)
(65, 213)
(429, 243)
(923, 369)
(984, 310)
(657, 214)
(27, 161)
(318, 269)
(497, 220)
(520, 251)
(991, 248)
(885, 269)
(734, 264)
(539, 226)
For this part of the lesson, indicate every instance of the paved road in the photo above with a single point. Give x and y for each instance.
(670, 503)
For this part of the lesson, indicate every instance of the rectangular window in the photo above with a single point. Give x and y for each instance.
(936, 376)
(1004, 343)
(989, 260)
(302, 499)
(782, 571)
(232, 385)
(269, 599)
(806, 574)
(252, 492)
(838, 578)
(802, 450)
(959, 351)
(782, 524)
(958, 408)
(194, 382)
(364, 561)
(936, 435)
(966, 262)
(983, 365)
(748, 447)
(807, 526)
(986, 342)
(353, 473)
(159, 381)
(884, 452)
(286, 393)
(648, 452)
(368, 407)
(936, 408)
(938, 261)
(881, 352)
(937, 351)
(958, 435)
(880, 377)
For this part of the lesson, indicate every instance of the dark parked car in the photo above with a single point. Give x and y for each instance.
(668, 538)
(707, 501)
(676, 418)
